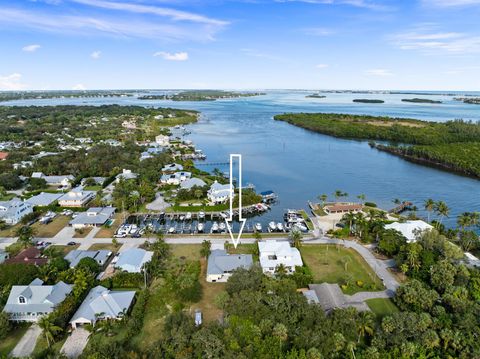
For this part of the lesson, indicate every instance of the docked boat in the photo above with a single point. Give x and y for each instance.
(171, 230)
(223, 215)
(272, 226)
(182, 217)
(301, 227)
(214, 227)
(222, 227)
(258, 227)
(188, 216)
(133, 229)
(201, 215)
(200, 227)
(280, 227)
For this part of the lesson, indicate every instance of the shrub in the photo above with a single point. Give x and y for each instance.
(4, 325)
(371, 204)
(359, 283)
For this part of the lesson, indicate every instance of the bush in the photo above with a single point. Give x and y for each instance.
(359, 283)
(4, 325)
(125, 280)
(371, 204)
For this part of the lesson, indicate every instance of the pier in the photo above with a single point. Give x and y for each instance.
(402, 207)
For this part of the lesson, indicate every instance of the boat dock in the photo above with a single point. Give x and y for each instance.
(402, 207)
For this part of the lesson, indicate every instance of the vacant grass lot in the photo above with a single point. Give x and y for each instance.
(108, 232)
(107, 246)
(10, 231)
(7, 344)
(336, 264)
(82, 233)
(381, 306)
(51, 229)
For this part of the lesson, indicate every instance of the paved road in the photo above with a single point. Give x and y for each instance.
(26, 345)
(75, 343)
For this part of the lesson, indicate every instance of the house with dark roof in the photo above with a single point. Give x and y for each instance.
(221, 264)
(330, 297)
(28, 303)
(30, 255)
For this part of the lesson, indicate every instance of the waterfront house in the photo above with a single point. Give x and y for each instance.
(172, 167)
(126, 175)
(14, 210)
(162, 140)
(219, 193)
(221, 264)
(175, 178)
(102, 304)
(192, 182)
(93, 217)
(274, 253)
(30, 255)
(44, 199)
(343, 208)
(410, 229)
(133, 260)
(61, 180)
(100, 256)
(28, 303)
(77, 197)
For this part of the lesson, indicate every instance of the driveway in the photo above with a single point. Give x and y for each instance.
(75, 343)
(158, 204)
(26, 345)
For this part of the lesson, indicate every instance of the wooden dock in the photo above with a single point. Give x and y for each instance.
(402, 207)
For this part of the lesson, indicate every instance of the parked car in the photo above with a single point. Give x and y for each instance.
(72, 243)
(198, 317)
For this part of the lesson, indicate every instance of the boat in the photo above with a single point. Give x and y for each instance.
(182, 217)
(222, 227)
(133, 229)
(201, 215)
(272, 226)
(280, 227)
(200, 227)
(301, 227)
(223, 215)
(171, 230)
(258, 227)
(214, 227)
(188, 216)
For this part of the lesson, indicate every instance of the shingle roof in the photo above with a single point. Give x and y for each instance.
(75, 256)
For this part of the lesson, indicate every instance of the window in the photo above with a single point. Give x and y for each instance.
(22, 300)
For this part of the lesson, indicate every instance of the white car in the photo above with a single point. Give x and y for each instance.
(198, 317)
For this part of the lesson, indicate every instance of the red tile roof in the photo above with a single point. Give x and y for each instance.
(3, 156)
(29, 256)
(342, 207)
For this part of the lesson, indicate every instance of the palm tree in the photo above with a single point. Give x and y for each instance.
(323, 198)
(362, 197)
(296, 238)
(350, 219)
(464, 220)
(49, 328)
(365, 323)
(337, 194)
(25, 235)
(442, 210)
(281, 270)
(429, 206)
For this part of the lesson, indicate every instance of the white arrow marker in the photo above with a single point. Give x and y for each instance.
(228, 221)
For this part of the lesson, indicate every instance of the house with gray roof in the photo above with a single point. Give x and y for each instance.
(62, 180)
(28, 303)
(330, 297)
(133, 260)
(221, 264)
(126, 175)
(98, 180)
(219, 193)
(102, 304)
(175, 178)
(14, 210)
(172, 167)
(44, 199)
(93, 217)
(100, 256)
(192, 182)
(77, 197)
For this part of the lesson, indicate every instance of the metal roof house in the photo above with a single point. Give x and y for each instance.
(221, 264)
(62, 180)
(44, 199)
(192, 182)
(14, 210)
(219, 193)
(330, 297)
(77, 197)
(102, 303)
(274, 253)
(28, 303)
(75, 256)
(133, 260)
(175, 178)
(172, 167)
(93, 217)
(410, 229)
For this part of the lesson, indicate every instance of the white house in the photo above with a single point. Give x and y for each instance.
(175, 178)
(221, 264)
(172, 167)
(162, 140)
(126, 175)
(14, 210)
(28, 303)
(133, 260)
(93, 217)
(192, 182)
(101, 304)
(219, 193)
(44, 199)
(273, 253)
(77, 197)
(62, 180)
(410, 229)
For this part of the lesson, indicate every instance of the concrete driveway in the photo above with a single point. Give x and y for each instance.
(75, 343)
(26, 345)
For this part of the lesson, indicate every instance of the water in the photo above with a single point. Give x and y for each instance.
(299, 165)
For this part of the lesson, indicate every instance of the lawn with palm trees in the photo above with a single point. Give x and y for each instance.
(337, 264)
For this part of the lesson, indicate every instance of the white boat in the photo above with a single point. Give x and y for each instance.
(272, 226)
(223, 215)
(200, 227)
(301, 227)
(133, 228)
(214, 227)
(188, 216)
(182, 217)
(222, 226)
(258, 227)
(280, 227)
(171, 230)
(201, 215)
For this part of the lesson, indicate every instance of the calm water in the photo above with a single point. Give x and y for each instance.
(300, 165)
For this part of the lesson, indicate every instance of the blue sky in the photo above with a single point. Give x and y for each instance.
(249, 44)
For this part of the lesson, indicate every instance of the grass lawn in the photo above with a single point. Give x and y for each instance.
(327, 263)
(51, 229)
(82, 233)
(93, 188)
(108, 232)
(7, 197)
(189, 251)
(64, 249)
(10, 230)
(107, 246)
(42, 345)
(7, 344)
(307, 219)
(245, 248)
(381, 306)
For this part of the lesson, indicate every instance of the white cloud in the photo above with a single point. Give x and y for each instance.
(96, 55)
(451, 3)
(177, 56)
(367, 4)
(31, 48)
(12, 82)
(318, 31)
(321, 66)
(79, 87)
(379, 72)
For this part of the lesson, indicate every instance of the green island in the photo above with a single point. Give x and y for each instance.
(420, 100)
(367, 100)
(201, 95)
(315, 95)
(41, 95)
(452, 145)
(470, 100)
